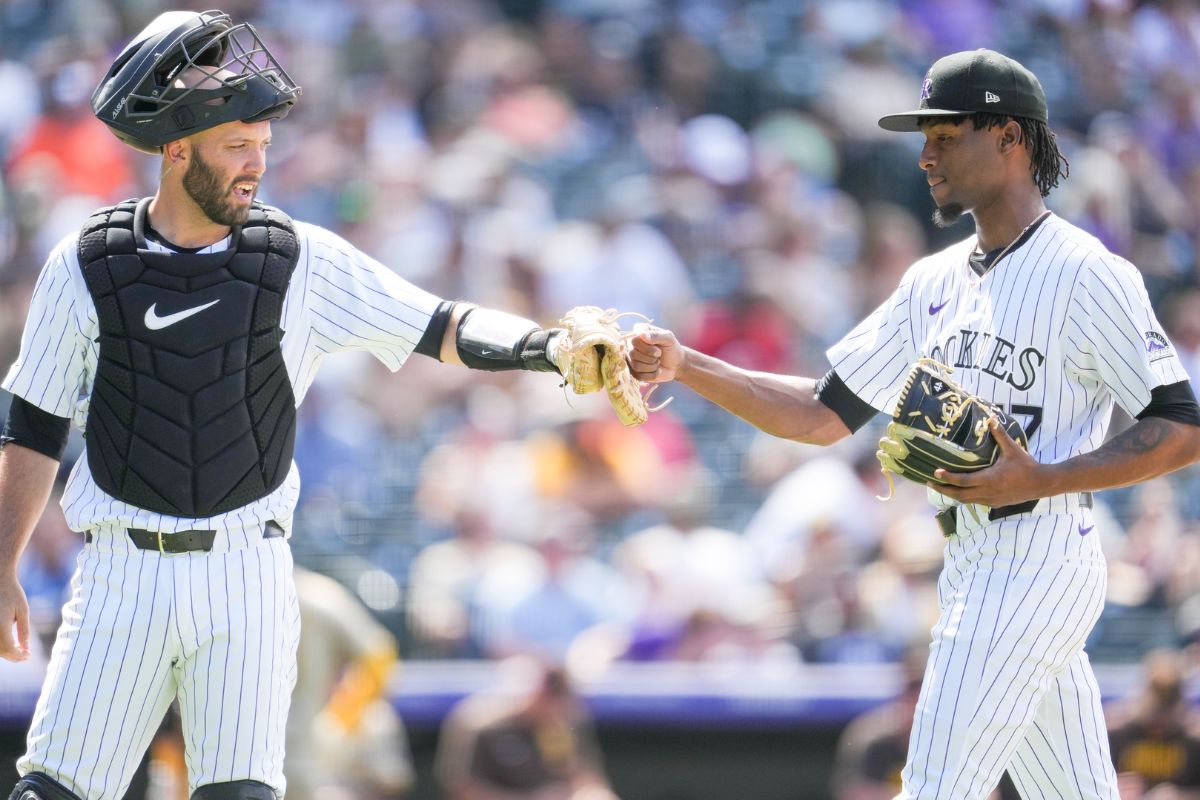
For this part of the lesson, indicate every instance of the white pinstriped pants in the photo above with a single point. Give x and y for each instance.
(1008, 685)
(219, 630)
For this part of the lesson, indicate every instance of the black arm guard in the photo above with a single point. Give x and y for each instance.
(496, 341)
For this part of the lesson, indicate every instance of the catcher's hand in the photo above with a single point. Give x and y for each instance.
(591, 355)
(939, 427)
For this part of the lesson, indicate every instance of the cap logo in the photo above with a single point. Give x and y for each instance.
(926, 88)
(988, 97)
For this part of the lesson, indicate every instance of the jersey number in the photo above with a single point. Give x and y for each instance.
(1031, 413)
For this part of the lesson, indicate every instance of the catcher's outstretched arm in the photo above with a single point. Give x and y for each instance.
(482, 338)
(781, 405)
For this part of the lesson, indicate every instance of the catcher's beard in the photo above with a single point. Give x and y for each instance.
(945, 216)
(204, 186)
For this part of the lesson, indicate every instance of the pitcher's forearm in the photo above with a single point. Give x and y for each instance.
(1151, 447)
(782, 405)
(26, 478)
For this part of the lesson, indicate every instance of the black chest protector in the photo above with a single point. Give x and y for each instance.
(192, 413)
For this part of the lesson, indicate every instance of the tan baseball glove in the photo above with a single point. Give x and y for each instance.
(591, 356)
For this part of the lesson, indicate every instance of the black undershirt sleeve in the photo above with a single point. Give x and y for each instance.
(431, 341)
(1175, 401)
(38, 430)
(846, 404)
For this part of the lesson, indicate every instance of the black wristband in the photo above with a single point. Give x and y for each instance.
(535, 353)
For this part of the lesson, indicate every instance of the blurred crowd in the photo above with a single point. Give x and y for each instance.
(711, 164)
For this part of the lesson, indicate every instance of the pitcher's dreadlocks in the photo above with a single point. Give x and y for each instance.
(1048, 162)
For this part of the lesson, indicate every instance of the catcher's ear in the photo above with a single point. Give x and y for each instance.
(175, 151)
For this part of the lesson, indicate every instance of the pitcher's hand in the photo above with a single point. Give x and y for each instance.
(655, 355)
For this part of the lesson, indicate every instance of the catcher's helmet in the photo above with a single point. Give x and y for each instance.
(146, 107)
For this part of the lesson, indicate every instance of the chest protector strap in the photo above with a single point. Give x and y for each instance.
(192, 412)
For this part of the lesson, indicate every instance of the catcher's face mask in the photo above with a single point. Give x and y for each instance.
(230, 75)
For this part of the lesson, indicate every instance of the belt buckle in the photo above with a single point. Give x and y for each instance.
(158, 535)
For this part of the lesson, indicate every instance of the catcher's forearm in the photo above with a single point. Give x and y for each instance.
(1151, 447)
(781, 405)
(26, 477)
(494, 341)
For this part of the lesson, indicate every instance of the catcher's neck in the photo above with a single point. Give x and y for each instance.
(181, 222)
(1002, 222)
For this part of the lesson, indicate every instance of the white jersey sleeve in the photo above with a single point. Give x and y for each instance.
(1112, 330)
(51, 370)
(351, 302)
(874, 358)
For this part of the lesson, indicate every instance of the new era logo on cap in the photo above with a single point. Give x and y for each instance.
(988, 97)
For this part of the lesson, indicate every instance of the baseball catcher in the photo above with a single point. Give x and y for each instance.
(937, 424)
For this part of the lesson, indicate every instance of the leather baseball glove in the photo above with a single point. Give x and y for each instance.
(938, 424)
(591, 356)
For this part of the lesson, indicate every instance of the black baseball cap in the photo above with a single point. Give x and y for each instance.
(970, 81)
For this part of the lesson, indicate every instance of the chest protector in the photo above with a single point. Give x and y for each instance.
(192, 413)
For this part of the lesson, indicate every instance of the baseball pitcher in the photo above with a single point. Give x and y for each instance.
(1000, 360)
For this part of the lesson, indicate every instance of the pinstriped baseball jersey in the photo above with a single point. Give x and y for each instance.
(339, 299)
(1057, 330)
(218, 630)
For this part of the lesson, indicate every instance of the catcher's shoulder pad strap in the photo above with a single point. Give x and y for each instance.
(496, 340)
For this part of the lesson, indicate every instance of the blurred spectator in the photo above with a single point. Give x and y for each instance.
(898, 590)
(1142, 571)
(606, 469)
(573, 592)
(619, 261)
(747, 328)
(1154, 735)
(840, 503)
(700, 588)
(344, 739)
(1181, 318)
(529, 740)
(451, 581)
(66, 162)
(872, 748)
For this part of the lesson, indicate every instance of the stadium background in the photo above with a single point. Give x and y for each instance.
(716, 166)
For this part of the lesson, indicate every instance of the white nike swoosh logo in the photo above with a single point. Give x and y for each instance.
(157, 323)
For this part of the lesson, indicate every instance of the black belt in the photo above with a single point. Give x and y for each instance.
(947, 518)
(184, 541)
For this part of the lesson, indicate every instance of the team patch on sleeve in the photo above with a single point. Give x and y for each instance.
(1157, 346)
